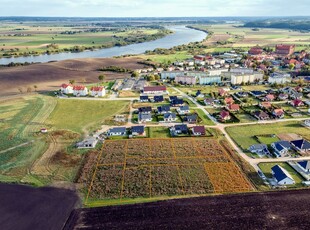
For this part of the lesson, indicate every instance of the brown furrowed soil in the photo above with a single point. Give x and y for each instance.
(273, 210)
(49, 76)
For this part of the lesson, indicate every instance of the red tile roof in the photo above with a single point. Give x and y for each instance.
(229, 100)
(234, 107)
(278, 112)
(266, 104)
(79, 87)
(65, 85)
(97, 88)
(224, 114)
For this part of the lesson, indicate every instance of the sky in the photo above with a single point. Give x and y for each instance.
(154, 8)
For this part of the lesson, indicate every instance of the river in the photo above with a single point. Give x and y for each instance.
(182, 35)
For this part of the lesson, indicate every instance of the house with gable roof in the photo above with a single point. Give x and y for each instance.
(282, 176)
(305, 166)
(66, 89)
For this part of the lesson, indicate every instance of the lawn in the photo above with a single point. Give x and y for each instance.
(244, 136)
(266, 169)
(80, 115)
(205, 119)
(158, 132)
(268, 140)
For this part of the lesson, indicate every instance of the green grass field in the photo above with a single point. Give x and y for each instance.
(80, 115)
(266, 169)
(158, 132)
(244, 136)
(205, 119)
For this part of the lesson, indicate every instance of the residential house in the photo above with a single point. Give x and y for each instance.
(117, 131)
(145, 110)
(199, 131)
(170, 117)
(297, 103)
(261, 115)
(257, 93)
(282, 176)
(269, 97)
(224, 115)
(283, 96)
(144, 98)
(281, 148)
(66, 89)
(158, 98)
(223, 92)
(301, 145)
(233, 107)
(265, 105)
(144, 117)
(89, 142)
(177, 102)
(305, 166)
(242, 94)
(155, 89)
(260, 149)
(97, 91)
(80, 90)
(278, 113)
(138, 130)
(183, 109)
(179, 129)
(171, 98)
(163, 109)
(307, 123)
(209, 101)
(229, 101)
(192, 118)
(296, 95)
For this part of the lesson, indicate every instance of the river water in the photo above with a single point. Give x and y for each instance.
(182, 35)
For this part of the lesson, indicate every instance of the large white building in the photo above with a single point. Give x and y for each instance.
(216, 72)
(80, 90)
(279, 78)
(97, 91)
(66, 88)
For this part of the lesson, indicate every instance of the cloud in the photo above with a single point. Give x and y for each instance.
(154, 8)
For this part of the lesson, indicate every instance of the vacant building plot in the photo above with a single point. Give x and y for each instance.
(150, 169)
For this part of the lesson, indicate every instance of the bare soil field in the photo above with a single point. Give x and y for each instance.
(49, 76)
(24, 207)
(273, 210)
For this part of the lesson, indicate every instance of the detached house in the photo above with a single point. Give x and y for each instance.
(199, 130)
(177, 102)
(183, 110)
(163, 109)
(117, 131)
(229, 101)
(138, 130)
(80, 90)
(305, 166)
(159, 98)
(97, 91)
(301, 145)
(191, 118)
(281, 148)
(278, 113)
(261, 115)
(66, 88)
(169, 117)
(269, 97)
(260, 149)
(179, 129)
(224, 115)
(144, 117)
(297, 103)
(283, 96)
(282, 176)
(265, 105)
(209, 101)
(144, 98)
(233, 107)
(147, 109)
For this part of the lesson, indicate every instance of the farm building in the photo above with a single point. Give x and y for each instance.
(144, 117)
(117, 131)
(98, 91)
(301, 145)
(282, 176)
(155, 89)
(183, 109)
(138, 130)
(305, 166)
(169, 117)
(66, 88)
(199, 130)
(80, 90)
(89, 142)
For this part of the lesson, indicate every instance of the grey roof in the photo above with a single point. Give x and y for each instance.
(143, 116)
(170, 115)
(184, 108)
(118, 130)
(137, 129)
(258, 147)
(285, 144)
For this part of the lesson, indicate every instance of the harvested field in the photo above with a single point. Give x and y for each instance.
(273, 210)
(49, 76)
(127, 170)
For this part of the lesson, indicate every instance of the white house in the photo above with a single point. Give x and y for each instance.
(117, 131)
(183, 110)
(305, 166)
(169, 117)
(80, 90)
(282, 176)
(97, 91)
(66, 88)
(279, 78)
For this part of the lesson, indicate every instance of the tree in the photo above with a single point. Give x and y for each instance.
(72, 81)
(157, 77)
(151, 77)
(20, 89)
(101, 77)
(35, 88)
(135, 74)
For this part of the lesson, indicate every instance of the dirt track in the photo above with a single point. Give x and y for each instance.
(49, 76)
(273, 210)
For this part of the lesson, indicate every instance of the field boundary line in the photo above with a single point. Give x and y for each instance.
(124, 169)
(177, 166)
(150, 182)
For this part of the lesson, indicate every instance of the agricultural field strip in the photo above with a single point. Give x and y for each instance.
(247, 186)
